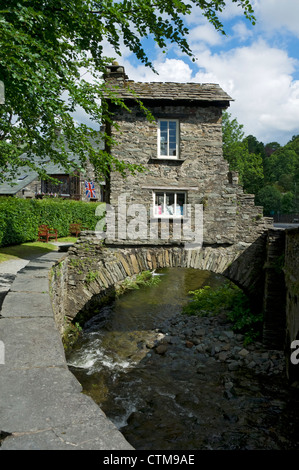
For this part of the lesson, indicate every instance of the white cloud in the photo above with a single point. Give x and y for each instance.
(241, 32)
(169, 70)
(276, 15)
(230, 11)
(206, 33)
(259, 79)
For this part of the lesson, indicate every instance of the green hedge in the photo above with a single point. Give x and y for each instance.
(20, 218)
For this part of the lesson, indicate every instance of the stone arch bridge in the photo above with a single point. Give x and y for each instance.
(90, 272)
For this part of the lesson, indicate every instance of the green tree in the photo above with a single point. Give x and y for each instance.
(236, 152)
(253, 175)
(281, 172)
(254, 146)
(45, 45)
(270, 148)
(288, 203)
(270, 198)
(280, 167)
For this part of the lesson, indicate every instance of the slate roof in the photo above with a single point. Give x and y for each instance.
(207, 92)
(26, 175)
(20, 182)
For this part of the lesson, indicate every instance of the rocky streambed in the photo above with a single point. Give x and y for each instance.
(211, 392)
(189, 383)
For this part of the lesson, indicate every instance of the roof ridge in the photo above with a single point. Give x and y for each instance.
(170, 90)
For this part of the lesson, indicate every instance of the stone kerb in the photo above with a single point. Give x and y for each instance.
(42, 406)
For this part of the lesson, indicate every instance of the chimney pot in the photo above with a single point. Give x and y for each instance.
(115, 73)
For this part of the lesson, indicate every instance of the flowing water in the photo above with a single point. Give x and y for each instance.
(170, 401)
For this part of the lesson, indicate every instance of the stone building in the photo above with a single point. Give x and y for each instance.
(181, 153)
(27, 184)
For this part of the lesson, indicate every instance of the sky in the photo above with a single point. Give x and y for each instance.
(257, 65)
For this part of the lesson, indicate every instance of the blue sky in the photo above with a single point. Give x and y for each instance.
(258, 66)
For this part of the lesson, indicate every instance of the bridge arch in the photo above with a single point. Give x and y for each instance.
(91, 271)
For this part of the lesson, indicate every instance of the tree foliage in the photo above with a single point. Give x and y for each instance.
(236, 151)
(48, 46)
(270, 171)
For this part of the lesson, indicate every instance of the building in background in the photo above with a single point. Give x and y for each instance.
(81, 185)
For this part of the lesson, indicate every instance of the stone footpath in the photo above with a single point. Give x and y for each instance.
(42, 406)
(8, 272)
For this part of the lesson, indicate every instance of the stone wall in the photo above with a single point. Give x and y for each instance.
(291, 271)
(229, 214)
(274, 303)
(267, 270)
(91, 272)
(30, 190)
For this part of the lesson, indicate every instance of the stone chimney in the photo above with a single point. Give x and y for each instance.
(115, 73)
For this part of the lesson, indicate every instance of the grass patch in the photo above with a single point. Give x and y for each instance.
(31, 250)
(67, 239)
(143, 279)
(25, 251)
(231, 300)
(70, 336)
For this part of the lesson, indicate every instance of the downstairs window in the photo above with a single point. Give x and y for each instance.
(169, 204)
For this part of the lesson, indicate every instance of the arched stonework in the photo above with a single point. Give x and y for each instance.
(92, 271)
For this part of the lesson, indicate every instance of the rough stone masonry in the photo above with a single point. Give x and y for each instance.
(198, 169)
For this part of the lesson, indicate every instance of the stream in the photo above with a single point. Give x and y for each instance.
(169, 381)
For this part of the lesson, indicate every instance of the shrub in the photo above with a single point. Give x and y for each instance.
(144, 279)
(230, 299)
(20, 218)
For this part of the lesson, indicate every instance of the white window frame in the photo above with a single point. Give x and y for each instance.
(170, 157)
(165, 211)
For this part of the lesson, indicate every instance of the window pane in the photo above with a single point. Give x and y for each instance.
(169, 203)
(163, 149)
(172, 148)
(168, 138)
(163, 142)
(181, 198)
(164, 136)
(159, 203)
(172, 138)
(172, 135)
(180, 204)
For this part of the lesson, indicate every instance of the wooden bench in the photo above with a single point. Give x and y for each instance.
(45, 233)
(75, 229)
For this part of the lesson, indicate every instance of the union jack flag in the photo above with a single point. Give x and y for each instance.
(90, 191)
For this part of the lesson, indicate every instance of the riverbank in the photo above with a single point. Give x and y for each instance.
(169, 381)
(226, 397)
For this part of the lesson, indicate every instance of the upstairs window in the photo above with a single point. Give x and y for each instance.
(169, 204)
(168, 138)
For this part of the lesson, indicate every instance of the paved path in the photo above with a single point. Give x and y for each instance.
(42, 406)
(10, 268)
(8, 272)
